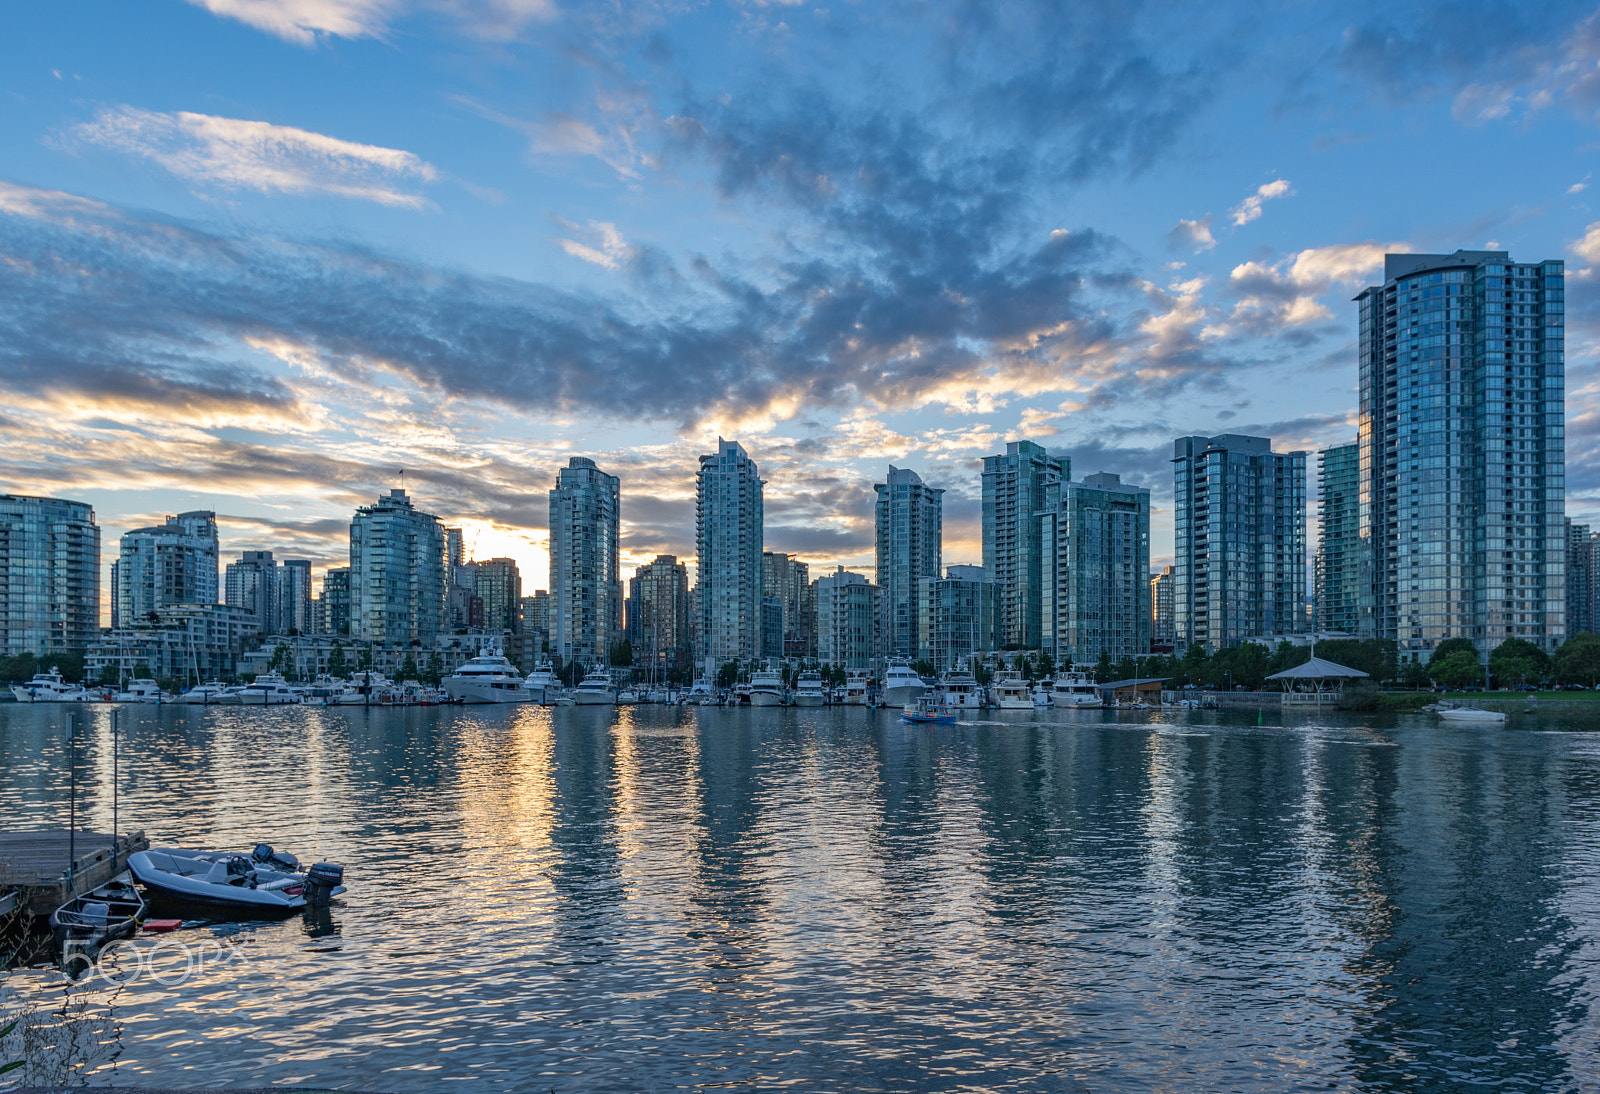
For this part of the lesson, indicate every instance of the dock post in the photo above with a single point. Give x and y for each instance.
(72, 808)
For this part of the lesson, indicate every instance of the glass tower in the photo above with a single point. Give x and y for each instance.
(1239, 540)
(1339, 548)
(585, 563)
(1013, 495)
(729, 525)
(172, 563)
(397, 574)
(49, 575)
(1095, 560)
(1463, 467)
(910, 535)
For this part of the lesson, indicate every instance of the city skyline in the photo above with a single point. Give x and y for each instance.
(1174, 258)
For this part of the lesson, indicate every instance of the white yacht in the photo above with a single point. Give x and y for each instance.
(662, 694)
(960, 691)
(702, 694)
(141, 691)
(857, 688)
(1075, 688)
(808, 690)
(766, 687)
(901, 684)
(210, 694)
(49, 687)
(543, 685)
(627, 696)
(365, 689)
(269, 689)
(487, 678)
(1010, 691)
(595, 690)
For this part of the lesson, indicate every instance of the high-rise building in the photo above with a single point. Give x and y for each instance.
(171, 563)
(463, 610)
(498, 585)
(958, 616)
(910, 528)
(1581, 549)
(1013, 495)
(455, 547)
(1338, 568)
(729, 524)
(334, 604)
(585, 565)
(658, 615)
(49, 575)
(789, 579)
(1163, 638)
(1095, 569)
(1239, 540)
(294, 597)
(847, 621)
(1463, 464)
(397, 572)
(252, 584)
(536, 615)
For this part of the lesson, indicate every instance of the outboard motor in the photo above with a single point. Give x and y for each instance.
(322, 878)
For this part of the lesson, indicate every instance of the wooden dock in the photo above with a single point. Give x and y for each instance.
(36, 864)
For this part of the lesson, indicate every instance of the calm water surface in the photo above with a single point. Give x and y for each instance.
(657, 899)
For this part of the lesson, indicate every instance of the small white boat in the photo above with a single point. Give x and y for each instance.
(927, 708)
(487, 678)
(662, 694)
(595, 689)
(261, 881)
(210, 694)
(49, 687)
(1010, 691)
(142, 691)
(960, 691)
(86, 923)
(269, 689)
(542, 684)
(1075, 688)
(901, 684)
(857, 688)
(702, 694)
(627, 697)
(766, 687)
(808, 690)
(1470, 714)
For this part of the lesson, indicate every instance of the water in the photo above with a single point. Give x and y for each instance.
(658, 899)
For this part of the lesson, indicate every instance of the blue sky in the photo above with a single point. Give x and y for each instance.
(257, 255)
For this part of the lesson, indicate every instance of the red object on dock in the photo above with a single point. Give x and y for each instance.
(162, 926)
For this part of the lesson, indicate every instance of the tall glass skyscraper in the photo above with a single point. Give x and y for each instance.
(1095, 569)
(910, 536)
(1463, 467)
(1013, 495)
(171, 563)
(585, 563)
(658, 616)
(252, 584)
(729, 526)
(1339, 542)
(789, 579)
(397, 564)
(49, 575)
(1239, 540)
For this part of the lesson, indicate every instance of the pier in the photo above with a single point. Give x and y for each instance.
(39, 866)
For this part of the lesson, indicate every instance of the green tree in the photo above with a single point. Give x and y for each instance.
(923, 667)
(1126, 669)
(338, 667)
(364, 659)
(408, 667)
(1451, 645)
(1516, 661)
(434, 673)
(982, 673)
(1578, 660)
(1103, 668)
(282, 659)
(1414, 674)
(1457, 669)
(1047, 664)
(622, 653)
(1288, 656)
(1196, 660)
(728, 674)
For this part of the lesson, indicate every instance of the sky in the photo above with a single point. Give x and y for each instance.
(259, 256)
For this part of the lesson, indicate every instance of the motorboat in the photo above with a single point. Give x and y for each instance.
(142, 691)
(766, 687)
(210, 694)
(263, 880)
(489, 677)
(595, 689)
(49, 687)
(901, 684)
(542, 684)
(857, 691)
(808, 690)
(1009, 691)
(1075, 688)
(701, 694)
(1470, 714)
(927, 708)
(269, 689)
(87, 922)
(663, 694)
(627, 697)
(364, 689)
(960, 691)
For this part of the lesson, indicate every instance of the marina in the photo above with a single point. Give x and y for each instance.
(47, 868)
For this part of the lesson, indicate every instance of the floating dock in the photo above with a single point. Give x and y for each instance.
(37, 866)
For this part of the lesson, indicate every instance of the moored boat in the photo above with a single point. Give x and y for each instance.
(808, 690)
(901, 684)
(87, 922)
(142, 691)
(49, 687)
(268, 689)
(1470, 714)
(595, 689)
(211, 693)
(487, 678)
(261, 881)
(928, 708)
(766, 687)
(1010, 691)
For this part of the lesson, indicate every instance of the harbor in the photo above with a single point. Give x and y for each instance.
(42, 870)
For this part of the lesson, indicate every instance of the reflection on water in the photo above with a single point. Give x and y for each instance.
(652, 899)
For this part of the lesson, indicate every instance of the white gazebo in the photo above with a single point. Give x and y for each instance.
(1316, 682)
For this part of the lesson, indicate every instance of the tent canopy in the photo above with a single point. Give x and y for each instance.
(1317, 669)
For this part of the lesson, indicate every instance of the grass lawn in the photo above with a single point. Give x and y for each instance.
(1575, 696)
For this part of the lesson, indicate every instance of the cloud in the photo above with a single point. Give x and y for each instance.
(1587, 248)
(606, 247)
(236, 154)
(300, 21)
(1250, 208)
(1272, 297)
(1192, 234)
